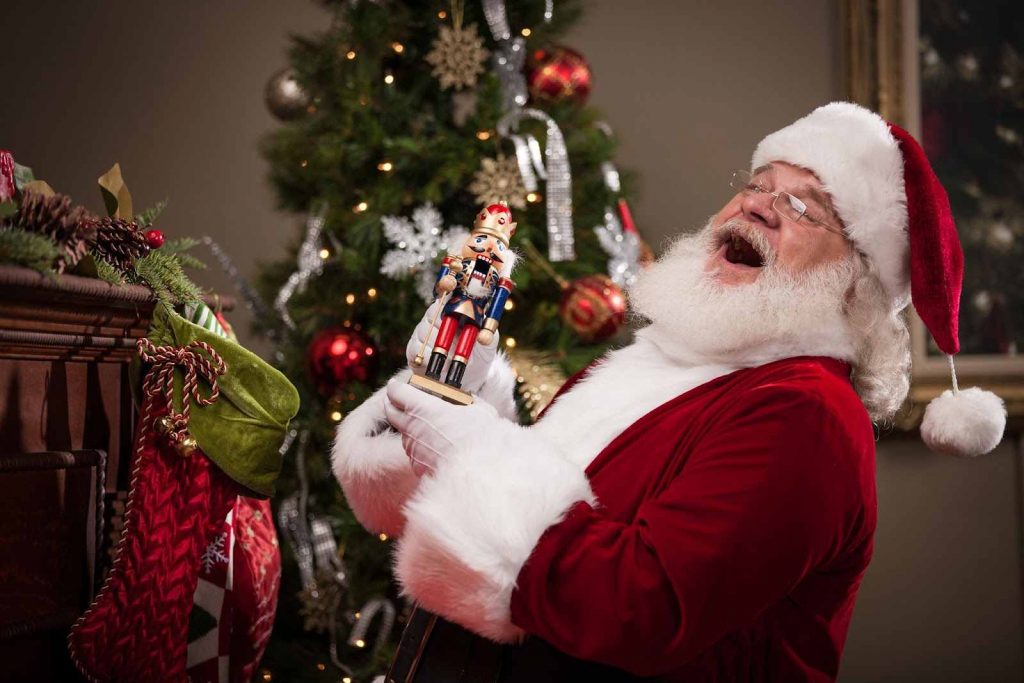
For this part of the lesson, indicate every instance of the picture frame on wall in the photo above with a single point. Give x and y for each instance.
(952, 74)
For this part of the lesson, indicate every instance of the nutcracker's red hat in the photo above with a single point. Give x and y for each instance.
(496, 220)
(896, 213)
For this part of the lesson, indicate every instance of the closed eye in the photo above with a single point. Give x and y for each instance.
(815, 214)
(816, 219)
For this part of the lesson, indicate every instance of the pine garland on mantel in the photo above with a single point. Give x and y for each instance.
(47, 232)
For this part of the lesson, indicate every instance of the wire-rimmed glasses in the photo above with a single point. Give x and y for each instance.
(783, 203)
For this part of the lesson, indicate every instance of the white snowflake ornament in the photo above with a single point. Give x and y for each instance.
(215, 553)
(419, 242)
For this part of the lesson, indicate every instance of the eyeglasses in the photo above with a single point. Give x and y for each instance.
(789, 207)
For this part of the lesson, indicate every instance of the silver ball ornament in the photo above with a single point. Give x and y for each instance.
(284, 95)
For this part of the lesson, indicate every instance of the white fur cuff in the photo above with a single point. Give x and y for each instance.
(472, 526)
(370, 464)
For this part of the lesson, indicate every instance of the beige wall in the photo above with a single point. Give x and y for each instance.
(690, 88)
(942, 598)
(174, 92)
(171, 90)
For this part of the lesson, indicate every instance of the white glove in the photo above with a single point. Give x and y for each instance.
(479, 361)
(431, 428)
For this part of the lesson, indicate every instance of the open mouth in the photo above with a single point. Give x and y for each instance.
(739, 251)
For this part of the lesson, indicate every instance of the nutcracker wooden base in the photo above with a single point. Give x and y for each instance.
(441, 390)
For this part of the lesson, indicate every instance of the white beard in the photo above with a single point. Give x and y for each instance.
(700, 330)
(697, 320)
(477, 289)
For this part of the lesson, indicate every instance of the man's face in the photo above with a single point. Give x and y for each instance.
(796, 246)
(481, 243)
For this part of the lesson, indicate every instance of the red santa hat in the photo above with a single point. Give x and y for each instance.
(896, 213)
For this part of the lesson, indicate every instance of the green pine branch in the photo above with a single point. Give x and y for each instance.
(149, 216)
(164, 275)
(27, 249)
(179, 247)
(107, 272)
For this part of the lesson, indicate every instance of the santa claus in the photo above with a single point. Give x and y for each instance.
(699, 505)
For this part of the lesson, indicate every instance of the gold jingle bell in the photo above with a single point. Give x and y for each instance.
(164, 425)
(187, 446)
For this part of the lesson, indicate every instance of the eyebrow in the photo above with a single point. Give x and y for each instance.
(816, 195)
(805, 190)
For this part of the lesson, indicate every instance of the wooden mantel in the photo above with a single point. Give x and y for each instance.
(66, 424)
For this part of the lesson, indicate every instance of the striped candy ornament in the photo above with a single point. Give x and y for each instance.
(202, 315)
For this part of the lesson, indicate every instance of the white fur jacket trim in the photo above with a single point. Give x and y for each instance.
(473, 524)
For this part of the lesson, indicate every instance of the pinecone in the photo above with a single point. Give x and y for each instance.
(117, 241)
(59, 219)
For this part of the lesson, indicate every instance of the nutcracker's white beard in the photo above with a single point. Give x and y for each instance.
(477, 289)
(697, 320)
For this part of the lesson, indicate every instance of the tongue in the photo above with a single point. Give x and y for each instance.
(741, 252)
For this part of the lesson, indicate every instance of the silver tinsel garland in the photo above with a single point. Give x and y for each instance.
(322, 572)
(509, 59)
(561, 245)
(309, 265)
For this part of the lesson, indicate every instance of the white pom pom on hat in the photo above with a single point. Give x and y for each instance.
(966, 422)
(897, 213)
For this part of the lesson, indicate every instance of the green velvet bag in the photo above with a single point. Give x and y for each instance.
(242, 431)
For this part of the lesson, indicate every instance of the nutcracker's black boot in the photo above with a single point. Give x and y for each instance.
(455, 372)
(435, 365)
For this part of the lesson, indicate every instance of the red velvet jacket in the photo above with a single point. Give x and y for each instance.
(734, 526)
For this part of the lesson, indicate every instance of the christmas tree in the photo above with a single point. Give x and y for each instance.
(402, 120)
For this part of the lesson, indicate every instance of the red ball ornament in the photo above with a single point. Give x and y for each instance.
(594, 307)
(8, 186)
(558, 74)
(339, 355)
(154, 238)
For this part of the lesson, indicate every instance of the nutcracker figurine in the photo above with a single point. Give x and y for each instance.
(474, 286)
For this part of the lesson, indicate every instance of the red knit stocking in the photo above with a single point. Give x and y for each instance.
(136, 629)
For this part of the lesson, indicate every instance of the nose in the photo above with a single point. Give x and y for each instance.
(757, 207)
